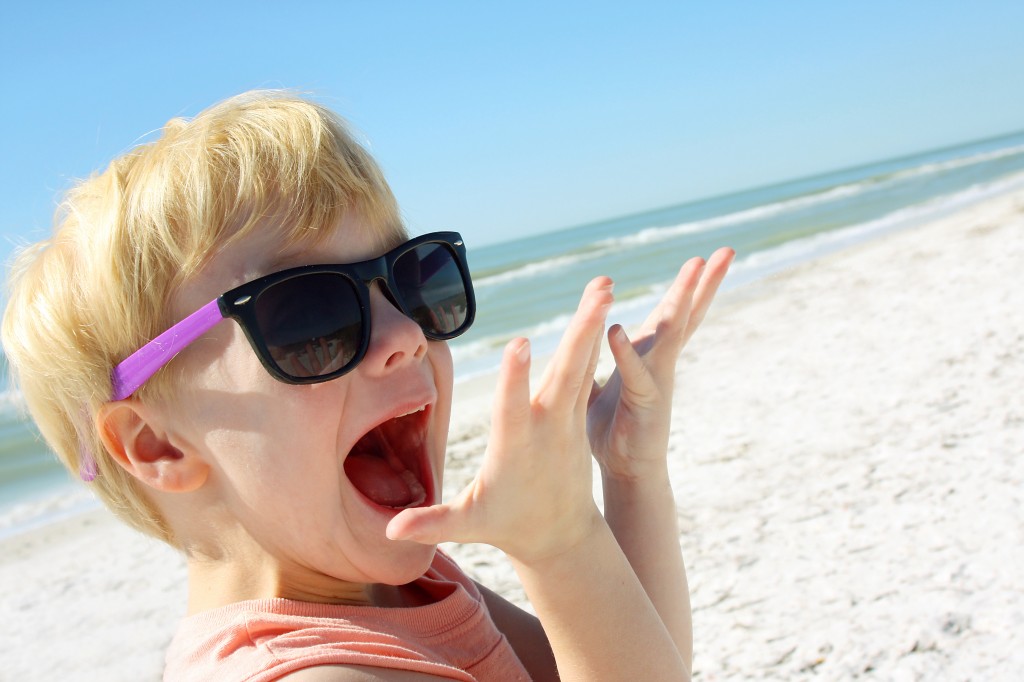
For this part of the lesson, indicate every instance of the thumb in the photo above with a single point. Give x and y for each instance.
(426, 525)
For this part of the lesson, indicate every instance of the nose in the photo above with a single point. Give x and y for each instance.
(395, 340)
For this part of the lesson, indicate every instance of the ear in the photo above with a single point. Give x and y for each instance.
(134, 435)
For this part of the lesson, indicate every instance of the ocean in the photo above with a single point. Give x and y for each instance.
(530, 286)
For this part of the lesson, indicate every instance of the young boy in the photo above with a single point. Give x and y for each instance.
(295, 453)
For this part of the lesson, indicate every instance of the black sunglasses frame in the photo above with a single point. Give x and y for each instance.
(240, 303)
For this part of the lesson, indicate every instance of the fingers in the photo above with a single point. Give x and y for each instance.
(459, 520)
(675, 306)
(667, 323)
(684, 305)
(586, 388)
(426, 525)
(528, 432)
(569, 375)
(533, 453)
(511, 411)
(714, 272)
(633, 374)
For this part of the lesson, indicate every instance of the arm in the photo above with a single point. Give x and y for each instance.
(599, 621)
(628, 425)
(642, 515)
(524, 633)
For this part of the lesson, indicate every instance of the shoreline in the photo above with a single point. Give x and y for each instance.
(38, 503)
(845, 453)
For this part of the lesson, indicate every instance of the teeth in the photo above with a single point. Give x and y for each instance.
(413, 412)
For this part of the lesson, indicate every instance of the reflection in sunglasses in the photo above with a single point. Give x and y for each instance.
(447, 319)
(319, 356)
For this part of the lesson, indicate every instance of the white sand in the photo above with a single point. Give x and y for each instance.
(847, 461)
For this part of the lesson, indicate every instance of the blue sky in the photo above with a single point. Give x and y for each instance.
(501, 120)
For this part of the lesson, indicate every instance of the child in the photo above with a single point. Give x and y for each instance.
(295, 454)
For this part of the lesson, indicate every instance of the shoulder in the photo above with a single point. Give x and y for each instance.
(300, 641)
(356, 673)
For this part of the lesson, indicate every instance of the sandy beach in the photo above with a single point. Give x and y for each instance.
(847, 460)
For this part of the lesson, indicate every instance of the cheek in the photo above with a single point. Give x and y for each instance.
(220, 361)
(441, 362)
(443, 370)
(243, 419)
(274, 445)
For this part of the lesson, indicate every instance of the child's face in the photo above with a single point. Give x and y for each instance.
(291, 477)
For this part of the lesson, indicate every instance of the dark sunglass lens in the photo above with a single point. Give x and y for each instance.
(311, 324)
(433, 291)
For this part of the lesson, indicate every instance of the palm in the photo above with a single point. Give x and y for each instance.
(624, 425)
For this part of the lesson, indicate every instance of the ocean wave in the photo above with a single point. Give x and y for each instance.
(461, 352)
(484, 354)
(658, 234)
(799, 250)
(493, 345)
(64, 501)
(653, 235)
(953, 164)
(535, 268)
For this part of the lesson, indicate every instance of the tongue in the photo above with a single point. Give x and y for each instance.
(387, 483)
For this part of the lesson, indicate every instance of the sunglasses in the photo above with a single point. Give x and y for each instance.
(312, 323)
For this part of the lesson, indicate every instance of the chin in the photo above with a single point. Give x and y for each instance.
(412, 564)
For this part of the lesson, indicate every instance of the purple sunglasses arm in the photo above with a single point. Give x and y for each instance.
(136, 370)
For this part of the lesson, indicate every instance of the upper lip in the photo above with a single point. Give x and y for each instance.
(405, 414)
(425, 400)
(405, 408)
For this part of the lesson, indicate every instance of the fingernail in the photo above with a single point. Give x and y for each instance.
(523, 352)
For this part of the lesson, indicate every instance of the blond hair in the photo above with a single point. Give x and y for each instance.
(126, 239)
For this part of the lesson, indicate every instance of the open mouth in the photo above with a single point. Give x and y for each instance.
(389, 464)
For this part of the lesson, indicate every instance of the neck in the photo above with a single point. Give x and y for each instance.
(217, 583)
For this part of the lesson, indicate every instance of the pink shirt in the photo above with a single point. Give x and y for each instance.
(260, 640)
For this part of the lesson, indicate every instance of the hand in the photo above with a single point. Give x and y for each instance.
(629, 417)
(533, 496)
